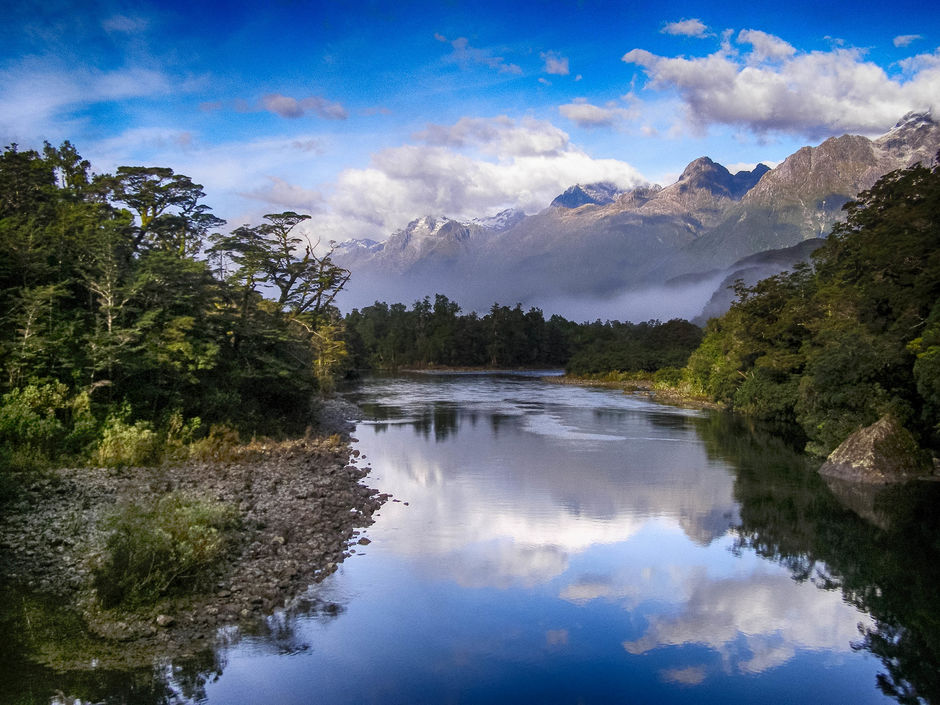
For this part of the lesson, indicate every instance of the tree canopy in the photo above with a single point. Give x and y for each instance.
(834, 346)
(111, 313)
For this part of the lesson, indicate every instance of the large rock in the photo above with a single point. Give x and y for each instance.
(882, 453)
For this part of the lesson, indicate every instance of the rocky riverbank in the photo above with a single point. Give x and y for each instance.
(302, 509)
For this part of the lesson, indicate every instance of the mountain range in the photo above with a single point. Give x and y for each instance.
(648, 252)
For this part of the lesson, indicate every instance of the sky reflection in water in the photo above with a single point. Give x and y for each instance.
(558, 544)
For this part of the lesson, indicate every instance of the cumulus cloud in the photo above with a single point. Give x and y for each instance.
(904, 40)
(775, 87)
(585, 114)
(466, 55)
(555, 64)
(766, 47)
(686, 28)
(288, 107)
(281, 193)
(499, 136)
(474, 166)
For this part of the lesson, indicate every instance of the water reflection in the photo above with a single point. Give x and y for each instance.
(877, 547)
(563, 544)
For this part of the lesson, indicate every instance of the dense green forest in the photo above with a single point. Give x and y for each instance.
(386, 336)
(832, 347)
(130, 323)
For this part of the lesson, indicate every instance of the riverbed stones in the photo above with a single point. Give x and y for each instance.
(882, 453)
(294, 501)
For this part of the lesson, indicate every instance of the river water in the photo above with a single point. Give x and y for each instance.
(558, 544)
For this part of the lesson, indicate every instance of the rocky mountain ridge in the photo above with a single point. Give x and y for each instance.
(597, 243)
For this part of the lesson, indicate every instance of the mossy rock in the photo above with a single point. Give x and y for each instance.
(882, 453)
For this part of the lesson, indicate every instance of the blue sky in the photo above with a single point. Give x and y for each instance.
(369, 114)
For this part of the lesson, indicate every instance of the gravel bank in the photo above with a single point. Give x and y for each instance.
(303, 510)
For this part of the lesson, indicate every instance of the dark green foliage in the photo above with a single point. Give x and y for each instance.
(106, 299)
(169, 547)
(834, 347)
(386, 337)
(634, 347)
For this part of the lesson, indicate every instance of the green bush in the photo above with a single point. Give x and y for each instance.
(30, 430)
(668, 378)
(124, 444)
(168, 547)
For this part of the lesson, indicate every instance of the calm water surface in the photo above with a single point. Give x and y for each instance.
(552, 544)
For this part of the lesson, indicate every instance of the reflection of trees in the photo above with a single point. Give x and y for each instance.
(439, 418)
(46, 656)
(889, 568)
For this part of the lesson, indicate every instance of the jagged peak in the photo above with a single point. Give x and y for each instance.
(915, 119)
(503, 220)
(705, 173)
(700, 166)
(598, 193)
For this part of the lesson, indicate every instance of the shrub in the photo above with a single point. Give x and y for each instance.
(668, 378)
(222, 444)
(30, 430)
(124, 444)
(167, 547)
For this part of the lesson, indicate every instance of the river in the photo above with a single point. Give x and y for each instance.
(559, 544)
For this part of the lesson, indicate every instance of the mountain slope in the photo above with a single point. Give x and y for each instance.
(596, 242)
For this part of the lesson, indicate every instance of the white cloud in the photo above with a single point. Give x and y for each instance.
(281, 193)
(775, 615)
(774, 87)
(288, 107)
(686, 28)
(585, 114)
(767, 47)
(499, 136)
(904, 40)
(555, 64)
(474, 166)
(465, 55)
(41, 99)
(692, 675)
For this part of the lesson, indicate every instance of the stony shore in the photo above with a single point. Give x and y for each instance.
(302, 509)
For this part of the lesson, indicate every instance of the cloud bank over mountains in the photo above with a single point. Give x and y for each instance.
(370, 122)
(760, 82)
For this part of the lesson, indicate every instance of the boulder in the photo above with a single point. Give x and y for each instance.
(882, 453)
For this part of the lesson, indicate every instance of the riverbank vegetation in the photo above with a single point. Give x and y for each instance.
(834, 346)
(132, 325)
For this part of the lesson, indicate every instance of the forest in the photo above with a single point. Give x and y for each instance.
(131, 324)
(835, 345)
(436, 334)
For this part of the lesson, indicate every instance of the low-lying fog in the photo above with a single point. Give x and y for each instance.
(663, 302)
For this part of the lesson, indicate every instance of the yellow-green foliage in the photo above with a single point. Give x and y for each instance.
(168, 546)
(125, 444)
(222, 444)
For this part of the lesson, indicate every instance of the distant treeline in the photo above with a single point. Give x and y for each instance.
(435, 333)
(833, 346)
